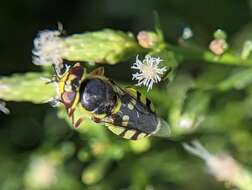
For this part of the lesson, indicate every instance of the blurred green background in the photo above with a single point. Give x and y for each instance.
(39, 149)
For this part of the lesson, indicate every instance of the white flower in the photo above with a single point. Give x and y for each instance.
(48, 48)
(149, 71)
(187, 33)
(190, 121)
(186, 122)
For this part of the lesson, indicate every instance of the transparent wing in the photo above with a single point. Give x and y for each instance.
(163, 130)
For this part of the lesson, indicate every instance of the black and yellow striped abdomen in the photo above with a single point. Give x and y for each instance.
(135, 118)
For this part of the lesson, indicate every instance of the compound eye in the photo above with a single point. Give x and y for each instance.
(68, 98)
(97, 96)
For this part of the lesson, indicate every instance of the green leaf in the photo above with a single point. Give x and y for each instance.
(26, 87)
(191, 113)
(239, 79)
(106, 46)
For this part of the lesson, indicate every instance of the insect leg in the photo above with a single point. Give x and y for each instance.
(96, 120)
(78, 122)
(70, 113)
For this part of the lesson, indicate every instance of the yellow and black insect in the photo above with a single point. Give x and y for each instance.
(124, 111)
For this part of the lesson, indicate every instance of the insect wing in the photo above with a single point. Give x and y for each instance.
(163, 129)
(135, 118)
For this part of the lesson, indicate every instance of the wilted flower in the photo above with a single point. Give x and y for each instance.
(149, 71)
(48, 48)
(3, 108)
(222, 166)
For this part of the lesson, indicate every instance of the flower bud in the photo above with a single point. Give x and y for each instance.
(147, 39)
(218, 46)
(220, 34)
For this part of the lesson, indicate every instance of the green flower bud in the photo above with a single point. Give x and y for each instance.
(220, 34)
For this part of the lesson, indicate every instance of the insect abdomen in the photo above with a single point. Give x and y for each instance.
(126, 133)
(134, 118)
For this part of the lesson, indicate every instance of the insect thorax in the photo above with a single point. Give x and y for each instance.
(97, 96)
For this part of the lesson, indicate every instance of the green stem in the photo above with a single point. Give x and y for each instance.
(205, 55)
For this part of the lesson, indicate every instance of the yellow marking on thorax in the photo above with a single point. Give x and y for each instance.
(117, 107)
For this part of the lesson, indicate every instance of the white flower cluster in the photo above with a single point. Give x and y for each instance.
(48, 48)
(149, 71)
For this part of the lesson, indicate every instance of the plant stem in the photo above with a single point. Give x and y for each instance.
(205, 55)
